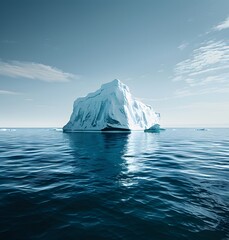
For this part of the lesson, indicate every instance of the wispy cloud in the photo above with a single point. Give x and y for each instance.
(187, 91)
(210, 56)
(36, 71)
(5, 92)
(206, 71)
(222, 25)
(207, 64)
(182, 46)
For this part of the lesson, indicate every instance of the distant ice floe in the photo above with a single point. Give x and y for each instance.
(202, 129)
(7, 130)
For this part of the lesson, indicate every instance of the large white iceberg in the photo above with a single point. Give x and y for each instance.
(112, 107)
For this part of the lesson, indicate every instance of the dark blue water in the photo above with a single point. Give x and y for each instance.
(172, 185)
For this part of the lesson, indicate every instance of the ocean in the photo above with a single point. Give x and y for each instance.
(138, 185)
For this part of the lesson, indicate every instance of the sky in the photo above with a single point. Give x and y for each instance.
(173, 55)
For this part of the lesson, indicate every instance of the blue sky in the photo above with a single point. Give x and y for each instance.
(173, 55)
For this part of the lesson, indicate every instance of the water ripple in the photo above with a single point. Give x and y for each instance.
(173, 185)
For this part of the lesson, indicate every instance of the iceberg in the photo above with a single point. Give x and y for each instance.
(156, 128)
(111, 108)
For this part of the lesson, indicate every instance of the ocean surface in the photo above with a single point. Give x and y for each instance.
(168, 185)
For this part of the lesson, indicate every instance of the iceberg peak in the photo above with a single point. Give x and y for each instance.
(116, 83)
(112, 107)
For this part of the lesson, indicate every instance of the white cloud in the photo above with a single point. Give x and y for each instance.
(210, 55)
(222, 25)
(5, 92)
(35, 71)
(206, 71)
(182, 46)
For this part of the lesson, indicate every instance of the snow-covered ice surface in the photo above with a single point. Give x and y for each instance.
(112, 107)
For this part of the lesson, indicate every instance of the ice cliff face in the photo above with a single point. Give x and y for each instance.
(112, 107)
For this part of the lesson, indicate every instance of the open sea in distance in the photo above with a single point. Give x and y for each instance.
(168, 185)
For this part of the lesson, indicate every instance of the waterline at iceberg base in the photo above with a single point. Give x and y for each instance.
(111, 108)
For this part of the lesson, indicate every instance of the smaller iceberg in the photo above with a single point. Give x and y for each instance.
(58, 129)
(155, 128)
